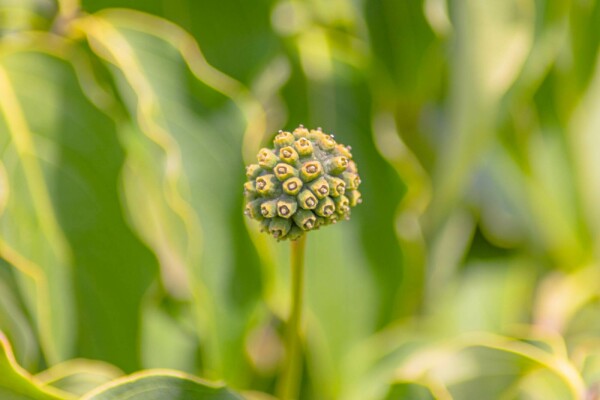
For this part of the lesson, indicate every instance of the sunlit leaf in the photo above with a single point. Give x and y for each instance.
(182, 168)
(78, 376)
(162, 385)
(17, 384)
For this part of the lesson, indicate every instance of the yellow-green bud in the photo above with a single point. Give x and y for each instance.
(250, 190)
(352, 167)
(307, 200)
(264, 224)
(286, 206)
(266, 158)
(354, 197)
(310, 170)
(304, 147)
(288, 154)
(315, 134)
(320, 222)
(284, 171)
(326, 207)
(295, 232)
(344, 151)
(253, 170)
(352, 180)
(292, 186)
(280, 227)
(320, 188)
(337, 186)
(342, 204)
(300, 131)
(268, 209)
(305, 219)
(336, 165)
(266, 184)
(284, 139)
(326, 142)
(252, 209)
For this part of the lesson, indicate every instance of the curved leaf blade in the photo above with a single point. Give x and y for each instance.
(162, 385)
(17, 384)
(79, 376)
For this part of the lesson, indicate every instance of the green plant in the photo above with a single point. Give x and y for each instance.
(124, 130)
(307, 181)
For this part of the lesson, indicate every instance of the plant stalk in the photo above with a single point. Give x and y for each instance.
(290, 379)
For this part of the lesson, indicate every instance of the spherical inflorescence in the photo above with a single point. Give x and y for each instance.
(307, 181)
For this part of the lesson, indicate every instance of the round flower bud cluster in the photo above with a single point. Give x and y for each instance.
(307, 181)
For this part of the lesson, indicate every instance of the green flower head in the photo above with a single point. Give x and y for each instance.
(306, 181)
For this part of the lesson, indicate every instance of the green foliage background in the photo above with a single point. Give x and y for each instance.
(469, 272)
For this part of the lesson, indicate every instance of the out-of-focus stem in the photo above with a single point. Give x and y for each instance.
(290, 378)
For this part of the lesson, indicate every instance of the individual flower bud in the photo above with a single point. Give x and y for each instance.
(292, 186)
(352, 180)
(266, 158)
(344, 151)
(315, 134)
(300, 131)
(337, 186)
(320, 222)
(264, 224)
(283, 139)
(288, 154)
(252, 209)
(284, 171)
(305, 219)
(305, 182)
(304, 147)
(320, 188)
(266, 184)
(286, 206)
(250, 190)
(342, 204)
(325, 208)
(279, 227)
(253, 171)
(336, 165)
(352, 167)
(326, 142)
(295, 232)
(354, 197)
(307, 200)
(310, 170)
(268, 209)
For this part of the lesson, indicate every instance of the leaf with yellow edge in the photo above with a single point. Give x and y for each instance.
(79, 376)
(162, 385)
(18, 384)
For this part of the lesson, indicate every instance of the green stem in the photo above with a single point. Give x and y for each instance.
(290, 380)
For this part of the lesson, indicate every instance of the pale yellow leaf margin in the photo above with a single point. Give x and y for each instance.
(6, 350)
(417, 368)
(253, 110)
(24, 145)
(148, 374)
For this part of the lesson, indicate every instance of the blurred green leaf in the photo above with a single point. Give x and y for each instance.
(32, 239)
(182, 167)
(17, 384)
(400, 391)
(123, 136)
(78, 147)
(162, 385)
(16, 327)
(78, 376)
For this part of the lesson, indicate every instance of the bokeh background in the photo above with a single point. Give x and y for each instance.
(470, 271)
